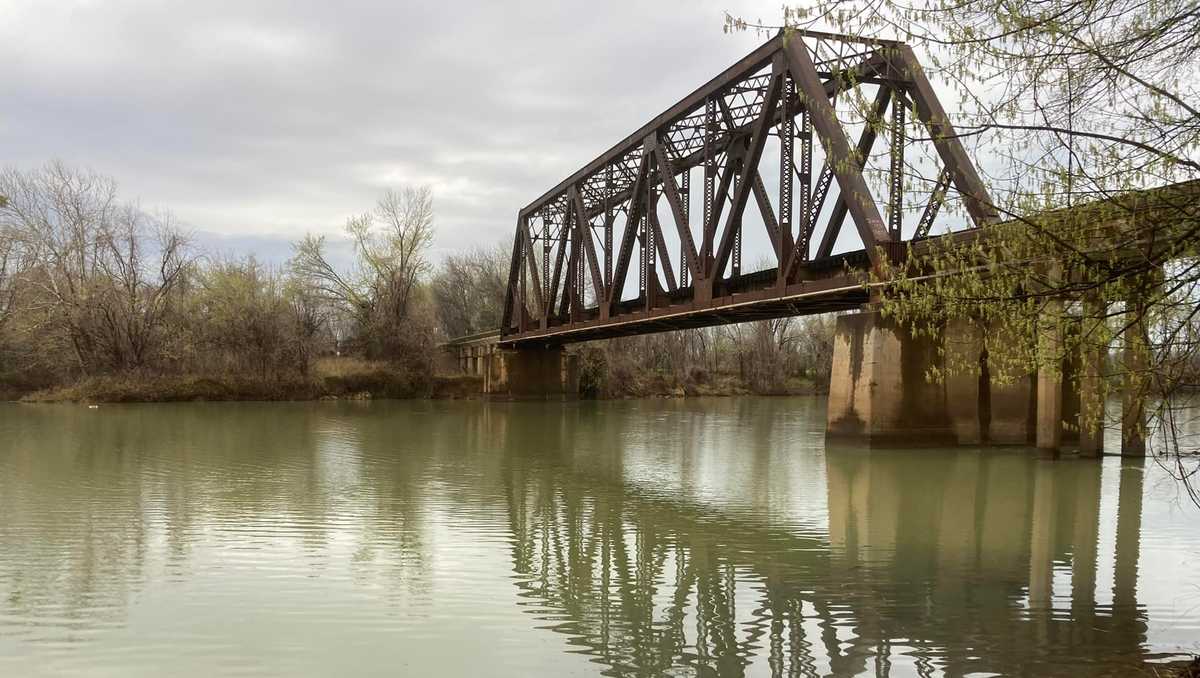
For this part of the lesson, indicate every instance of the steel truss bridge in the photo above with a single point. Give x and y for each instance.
(797, 99)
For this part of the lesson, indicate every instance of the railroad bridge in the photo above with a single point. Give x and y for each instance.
(672, 201)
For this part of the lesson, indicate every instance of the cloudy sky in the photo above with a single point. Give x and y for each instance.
(254, 122)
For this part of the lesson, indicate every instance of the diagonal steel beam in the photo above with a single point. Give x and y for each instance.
(945, 139)
(767, 211)
(560, 256)
(660, 244)
(860, 202)
(514, 278)
(866, 141)
(758, 139)
(572, 258)
(760, 190)
(860, 73)
(671, 190)
(628, 238)
(585, 236)
(531, 261)
(936, 198)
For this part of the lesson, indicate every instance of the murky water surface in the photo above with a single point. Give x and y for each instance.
(698, 537)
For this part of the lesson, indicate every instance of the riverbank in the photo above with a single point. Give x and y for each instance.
(372, 384)
(330, 379)
(345, 378)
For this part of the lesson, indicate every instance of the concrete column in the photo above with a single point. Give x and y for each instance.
(878, 391)
(1049, 377)
(1092, 389)
(1133, 389)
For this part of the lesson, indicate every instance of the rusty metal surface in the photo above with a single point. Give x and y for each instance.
(567, 282)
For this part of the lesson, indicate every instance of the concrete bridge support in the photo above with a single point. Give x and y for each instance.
(533, 373)
(1133, 392)
(549, 372)
(1091, 380)
(880, 392)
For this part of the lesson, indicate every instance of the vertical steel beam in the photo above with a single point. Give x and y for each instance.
(547, 294)
(896, 170)
(850, 180)
(649, 244)
(522, 295)
(608, 229)
(710, 180)
(686, 265)
(787, 138)
(731, 235)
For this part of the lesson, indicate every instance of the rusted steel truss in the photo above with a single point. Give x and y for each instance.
(633, 207)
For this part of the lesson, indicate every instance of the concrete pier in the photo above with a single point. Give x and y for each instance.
(880, 393)
(1092, 389)
(538, 373)
(1133, 395)
(525, 373)
(1050, 378)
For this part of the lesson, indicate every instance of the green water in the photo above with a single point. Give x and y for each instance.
(695, 537)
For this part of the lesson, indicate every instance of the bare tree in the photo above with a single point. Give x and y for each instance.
(143, 261)
(391, 255)
(99, 274)
(468, 290)
(12, 264)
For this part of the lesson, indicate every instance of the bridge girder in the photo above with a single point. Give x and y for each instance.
(567, 282)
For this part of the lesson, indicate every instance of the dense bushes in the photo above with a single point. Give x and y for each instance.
(788, 355)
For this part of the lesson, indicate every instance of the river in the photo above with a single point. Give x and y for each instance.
(711, 537)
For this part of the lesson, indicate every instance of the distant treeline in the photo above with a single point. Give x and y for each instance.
(101, 299)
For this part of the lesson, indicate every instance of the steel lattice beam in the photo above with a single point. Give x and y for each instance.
(792, 90)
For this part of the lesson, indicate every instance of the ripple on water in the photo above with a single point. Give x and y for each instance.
(664, 538)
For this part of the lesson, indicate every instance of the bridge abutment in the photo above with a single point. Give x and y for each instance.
(550, 373)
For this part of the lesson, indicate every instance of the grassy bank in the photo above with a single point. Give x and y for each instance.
(331, 378)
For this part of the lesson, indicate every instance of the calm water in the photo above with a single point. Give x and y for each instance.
(697, 537)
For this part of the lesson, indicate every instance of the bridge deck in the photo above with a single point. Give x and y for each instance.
(836, 285)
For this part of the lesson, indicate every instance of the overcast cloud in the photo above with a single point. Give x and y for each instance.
(254, 122)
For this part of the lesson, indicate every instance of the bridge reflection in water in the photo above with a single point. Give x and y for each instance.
(692, 537)
(933, 563)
